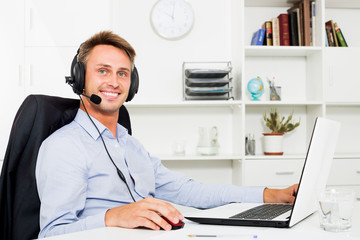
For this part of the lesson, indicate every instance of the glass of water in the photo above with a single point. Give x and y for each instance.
(335, 209)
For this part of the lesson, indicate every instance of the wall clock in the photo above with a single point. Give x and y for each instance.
(172, 19)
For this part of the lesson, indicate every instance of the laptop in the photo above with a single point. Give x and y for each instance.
(313, 179)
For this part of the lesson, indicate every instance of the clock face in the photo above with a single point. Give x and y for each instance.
(172, 19)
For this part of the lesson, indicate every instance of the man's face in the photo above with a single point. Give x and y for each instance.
(108, 73)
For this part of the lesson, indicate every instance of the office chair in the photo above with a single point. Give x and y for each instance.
(37, 118)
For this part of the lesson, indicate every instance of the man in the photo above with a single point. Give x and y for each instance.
(78, 183)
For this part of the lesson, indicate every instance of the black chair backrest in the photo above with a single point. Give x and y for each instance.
(37, 118)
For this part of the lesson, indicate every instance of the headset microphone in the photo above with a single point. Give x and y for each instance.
(94, 98)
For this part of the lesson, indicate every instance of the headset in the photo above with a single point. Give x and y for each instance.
(77, 78)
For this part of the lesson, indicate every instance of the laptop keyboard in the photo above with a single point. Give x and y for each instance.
(264, 212)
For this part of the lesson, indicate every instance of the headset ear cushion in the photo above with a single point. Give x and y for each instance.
(134, 85)
(78, 74)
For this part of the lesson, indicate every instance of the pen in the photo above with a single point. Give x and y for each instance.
(219, 236)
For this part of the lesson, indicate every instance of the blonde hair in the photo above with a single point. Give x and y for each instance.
(105, 38)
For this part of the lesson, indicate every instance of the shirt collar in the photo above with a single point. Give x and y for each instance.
(83, 120)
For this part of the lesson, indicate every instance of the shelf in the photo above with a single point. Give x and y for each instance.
(278, 157)
(212, 103)
(283, 103)
(270, 3)
(343, 104)
(347, 156)
(300, 156)
(280, 51)
(289, 3)
(198, 157)
(342, 4)
(229, 104)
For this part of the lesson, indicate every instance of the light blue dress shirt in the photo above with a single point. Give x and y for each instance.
(77, 183)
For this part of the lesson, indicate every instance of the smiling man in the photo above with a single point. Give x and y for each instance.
(108, 72)
(91, 173)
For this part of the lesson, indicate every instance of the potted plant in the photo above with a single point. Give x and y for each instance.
(279, 125)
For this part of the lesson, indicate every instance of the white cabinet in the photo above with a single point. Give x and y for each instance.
(275, 172)
(11, 66)
(342, 80)
(342, 75)
(45, 70)
(66, 22)
(54, 31)
(40, 39)
(345, 173)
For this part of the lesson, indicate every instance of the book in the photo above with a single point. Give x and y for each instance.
(334, 33)
(343, 37)
(340, 37)
(329, 26)
(293, 29)
(306, 21)
(268, 33)
(276, 31)
(258, 37)
(332, 28)
(326, 39)
(284, 29)
(313, 24)
(329, 34)
(296, 9)
(301, 18)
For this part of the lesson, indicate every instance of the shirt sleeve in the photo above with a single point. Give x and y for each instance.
(175, 187)
(61, 178)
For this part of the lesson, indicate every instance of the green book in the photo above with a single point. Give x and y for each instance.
(340, 37)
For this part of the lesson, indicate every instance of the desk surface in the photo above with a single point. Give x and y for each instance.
(306, 229)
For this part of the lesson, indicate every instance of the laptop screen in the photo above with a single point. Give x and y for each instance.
(316, 168)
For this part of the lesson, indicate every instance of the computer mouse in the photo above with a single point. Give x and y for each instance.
(174, 226)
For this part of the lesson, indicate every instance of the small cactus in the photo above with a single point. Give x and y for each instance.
(276, 122)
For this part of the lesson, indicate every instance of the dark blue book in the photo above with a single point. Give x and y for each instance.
(258, 37)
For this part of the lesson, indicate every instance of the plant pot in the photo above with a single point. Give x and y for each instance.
(273, 143)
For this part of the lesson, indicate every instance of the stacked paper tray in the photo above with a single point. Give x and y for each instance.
(207, 84)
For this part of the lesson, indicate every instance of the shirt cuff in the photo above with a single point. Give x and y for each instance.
(247, 194)
(96, 221)
(255, 194)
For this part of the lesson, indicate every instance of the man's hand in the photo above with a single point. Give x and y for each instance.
(286, 195)
(144, 213)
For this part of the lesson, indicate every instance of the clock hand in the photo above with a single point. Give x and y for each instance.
(173, 11)
(168, 14)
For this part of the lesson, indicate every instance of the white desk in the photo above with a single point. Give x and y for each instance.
(307, 229)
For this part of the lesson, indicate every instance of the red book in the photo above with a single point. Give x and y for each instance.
(284, 29)
(268, 33)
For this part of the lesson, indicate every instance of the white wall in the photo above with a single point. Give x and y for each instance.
(159, 61)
